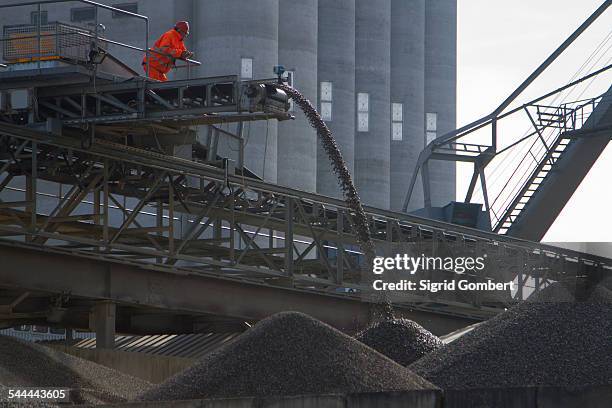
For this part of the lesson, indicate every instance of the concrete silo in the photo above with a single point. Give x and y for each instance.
(183, 11)
(407, 97)
(441, 89)
(297, 51)
(372, 86)
(336, 65)
(241, 37)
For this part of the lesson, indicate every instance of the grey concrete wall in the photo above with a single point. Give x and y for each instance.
(155, 369)
(591, 397)
(132, 31)
(228, 31)
(183, 11)
(336, 64)
(408, 79)
(411, 399)
(441, 86)
(318, 401)
(495, 397)
(528, 397)
(297, 50)
(373, 76)
(415, 399)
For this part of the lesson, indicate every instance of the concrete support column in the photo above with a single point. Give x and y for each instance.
(441, 89)
(241, 37)
(336, 66)
(297, 51)
(373, 82)
(102, 320)
(408, 92)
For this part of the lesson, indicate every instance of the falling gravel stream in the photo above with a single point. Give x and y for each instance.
(383, 309)
(340, 168)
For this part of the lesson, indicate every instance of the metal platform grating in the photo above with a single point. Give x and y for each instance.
(56, 40)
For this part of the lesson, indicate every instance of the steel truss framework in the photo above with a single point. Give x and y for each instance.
(141, 208)
(146, 113)
(177, 103)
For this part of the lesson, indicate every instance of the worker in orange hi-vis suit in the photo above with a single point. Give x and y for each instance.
(168, 48)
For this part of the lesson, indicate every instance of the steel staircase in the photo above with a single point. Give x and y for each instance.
(538, 176)
(584, 131)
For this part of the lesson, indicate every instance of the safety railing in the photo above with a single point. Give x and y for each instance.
(550, 127)
(41, 40)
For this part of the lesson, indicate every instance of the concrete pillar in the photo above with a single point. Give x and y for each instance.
(336, 65)
(373, 82)
(441, 88)
(408, 78)
(231, 35)
(103, 316)
(297, 51)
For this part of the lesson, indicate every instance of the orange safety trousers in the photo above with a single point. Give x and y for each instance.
(155, 74)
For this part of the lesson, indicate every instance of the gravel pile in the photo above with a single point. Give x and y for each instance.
(25, 364)
(288, 354)
(555, 339)
(402, 340)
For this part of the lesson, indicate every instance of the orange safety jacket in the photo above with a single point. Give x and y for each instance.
(164, 53)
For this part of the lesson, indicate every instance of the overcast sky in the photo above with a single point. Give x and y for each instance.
(500, 43)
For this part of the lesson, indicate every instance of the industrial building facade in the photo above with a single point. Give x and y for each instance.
(383, 74)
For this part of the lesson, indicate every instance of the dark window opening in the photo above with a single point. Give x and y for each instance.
(44, 17)
(131, 7)
(82, 14)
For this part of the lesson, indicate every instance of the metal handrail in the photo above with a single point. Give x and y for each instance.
(96, 37)
(568, 114)
(92, 3)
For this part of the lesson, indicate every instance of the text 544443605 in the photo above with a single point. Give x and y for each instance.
(38, 394)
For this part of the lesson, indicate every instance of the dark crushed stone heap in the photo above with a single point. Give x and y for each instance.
(551, 340)
(402, 340)
(288, 354)
(25, 364)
